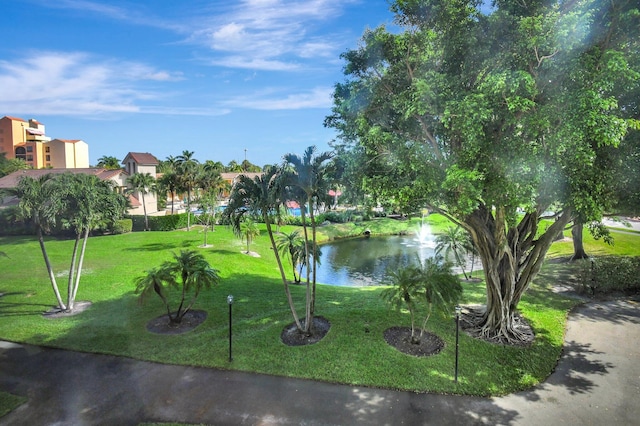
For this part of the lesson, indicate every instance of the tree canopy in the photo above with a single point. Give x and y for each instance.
(494, 120)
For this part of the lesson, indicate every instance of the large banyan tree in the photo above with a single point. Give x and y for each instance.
(495, 118)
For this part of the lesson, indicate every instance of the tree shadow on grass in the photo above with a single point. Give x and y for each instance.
(11, 308)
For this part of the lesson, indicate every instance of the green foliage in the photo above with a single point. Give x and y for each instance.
(122, 226)
(610, 274)
(9, 401)
(160, 223)
(10, 224)
(431, 284)
(189, 272)
(482, 116)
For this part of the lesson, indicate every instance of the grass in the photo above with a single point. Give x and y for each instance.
(353, 352)
(8, 402)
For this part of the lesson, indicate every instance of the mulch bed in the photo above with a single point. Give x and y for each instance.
(291, 336)
(400, 338)
(162, 325)
(78, 308)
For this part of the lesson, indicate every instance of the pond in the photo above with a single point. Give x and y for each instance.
(361, 262)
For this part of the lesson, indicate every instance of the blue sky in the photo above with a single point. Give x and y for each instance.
(163, 76)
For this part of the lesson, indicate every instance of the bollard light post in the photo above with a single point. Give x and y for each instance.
(230, 302)
(458, 310)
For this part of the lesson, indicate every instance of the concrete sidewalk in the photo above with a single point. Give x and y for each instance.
(596, 382)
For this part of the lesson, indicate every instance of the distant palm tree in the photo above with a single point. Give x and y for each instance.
(249, 229)
(189, 272)
(188, 170)
(291, 245)
(109, 162)
(143, 183)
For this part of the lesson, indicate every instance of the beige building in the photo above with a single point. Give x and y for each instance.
(142, 162)
(27, 140)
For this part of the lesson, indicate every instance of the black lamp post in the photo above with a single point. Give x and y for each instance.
(230, 302)
(458, 310)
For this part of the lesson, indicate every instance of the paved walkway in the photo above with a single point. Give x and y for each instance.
(596, 382)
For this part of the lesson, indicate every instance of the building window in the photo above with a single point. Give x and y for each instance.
(21, 153)
(29, 157)
(29, 149)
(47, 149)
(47, 158)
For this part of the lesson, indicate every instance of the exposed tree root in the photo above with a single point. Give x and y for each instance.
(472, 322)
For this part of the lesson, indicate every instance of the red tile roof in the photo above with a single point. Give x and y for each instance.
(14, 118)
(12, 179)
(142, 158)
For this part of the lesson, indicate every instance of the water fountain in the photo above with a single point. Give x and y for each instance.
(424, 236)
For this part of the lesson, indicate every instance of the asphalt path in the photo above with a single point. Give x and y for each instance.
(596, 382)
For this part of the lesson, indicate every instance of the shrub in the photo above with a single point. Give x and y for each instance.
(10, 226)
(609, 274)
(122, 226)
(160, 223)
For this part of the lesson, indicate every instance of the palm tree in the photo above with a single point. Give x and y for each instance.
(453, 240)
(188, 170)
(39, 204)
(249, 229)
(189, 271)
(208, 203)
(405, 288)
(88, 203)
(169, 182)
(261, 195)
(432, 283)
(142, 183)
(440, 286)
(109, 162)
(291, 245)
(306, 179)
(170, 179)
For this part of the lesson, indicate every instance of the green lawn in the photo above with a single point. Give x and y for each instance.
(353, 352)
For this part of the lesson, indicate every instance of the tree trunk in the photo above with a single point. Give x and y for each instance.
(79, 270)
(52, 276)
(511, 258)
(578, 246)
(287, 290)
(144, 209)
(309, 321)
(72, 273)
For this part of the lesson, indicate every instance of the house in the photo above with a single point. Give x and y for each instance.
(142, 162)
(27, 140)
(232, 178)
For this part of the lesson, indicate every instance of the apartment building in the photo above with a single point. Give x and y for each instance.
(26, 139)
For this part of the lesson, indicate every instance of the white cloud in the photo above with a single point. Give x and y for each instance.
(76, 83)
(261, 33)
(319, 97)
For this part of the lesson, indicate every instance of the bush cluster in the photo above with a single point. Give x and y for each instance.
(122, 226)
(10, 226)
(610, 274)
(161, 223)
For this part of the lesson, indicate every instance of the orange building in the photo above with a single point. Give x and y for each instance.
(27, 141)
